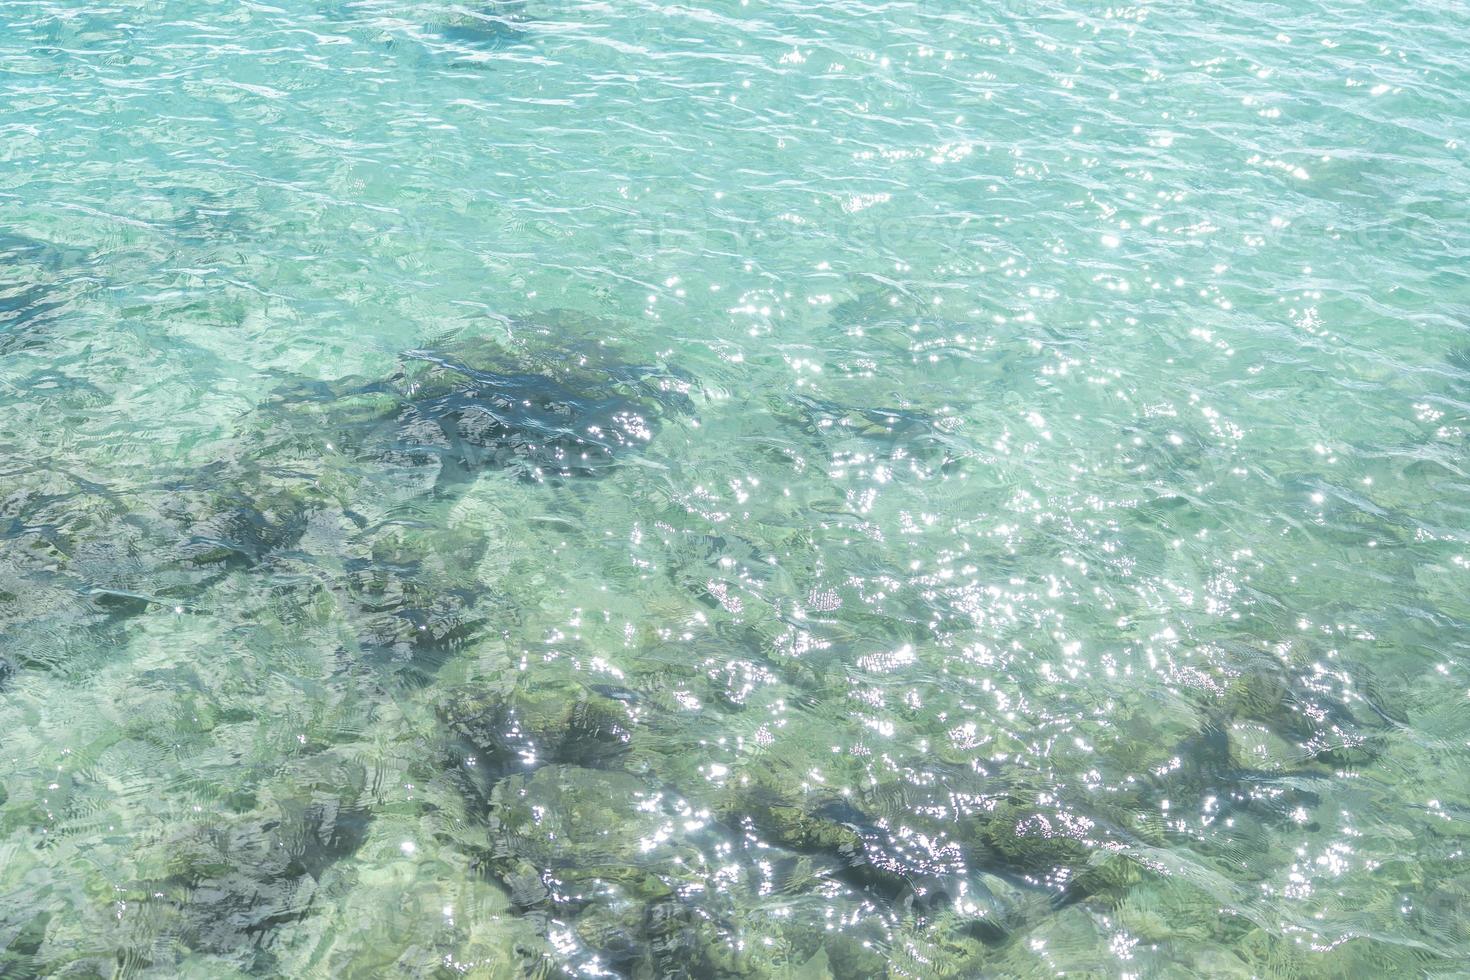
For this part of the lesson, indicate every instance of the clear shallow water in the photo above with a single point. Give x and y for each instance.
(1025, 530)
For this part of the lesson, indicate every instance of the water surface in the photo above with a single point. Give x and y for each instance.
(741, 489)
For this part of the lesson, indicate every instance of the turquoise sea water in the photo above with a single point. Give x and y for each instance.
(743, 489)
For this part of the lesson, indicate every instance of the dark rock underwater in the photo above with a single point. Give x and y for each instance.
(333, 503)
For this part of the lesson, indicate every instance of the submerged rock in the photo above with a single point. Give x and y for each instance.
(916, 866)
(77, 564)
(593, 848)
(22, 934)
(516, 723)
(560, 828)
(243, 532)
(230, 885)
(1307, 707)
(853, 434)
(441, 420)
(79, 553)
(330, 515)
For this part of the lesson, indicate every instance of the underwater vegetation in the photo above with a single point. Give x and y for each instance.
(318, 503)
(573, 803)
(341, 456)
(1002, 513)
(567, 789)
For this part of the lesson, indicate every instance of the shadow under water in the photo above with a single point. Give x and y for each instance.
(489, 28)
(31, 288)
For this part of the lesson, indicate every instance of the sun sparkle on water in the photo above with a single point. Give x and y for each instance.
(742, 489)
